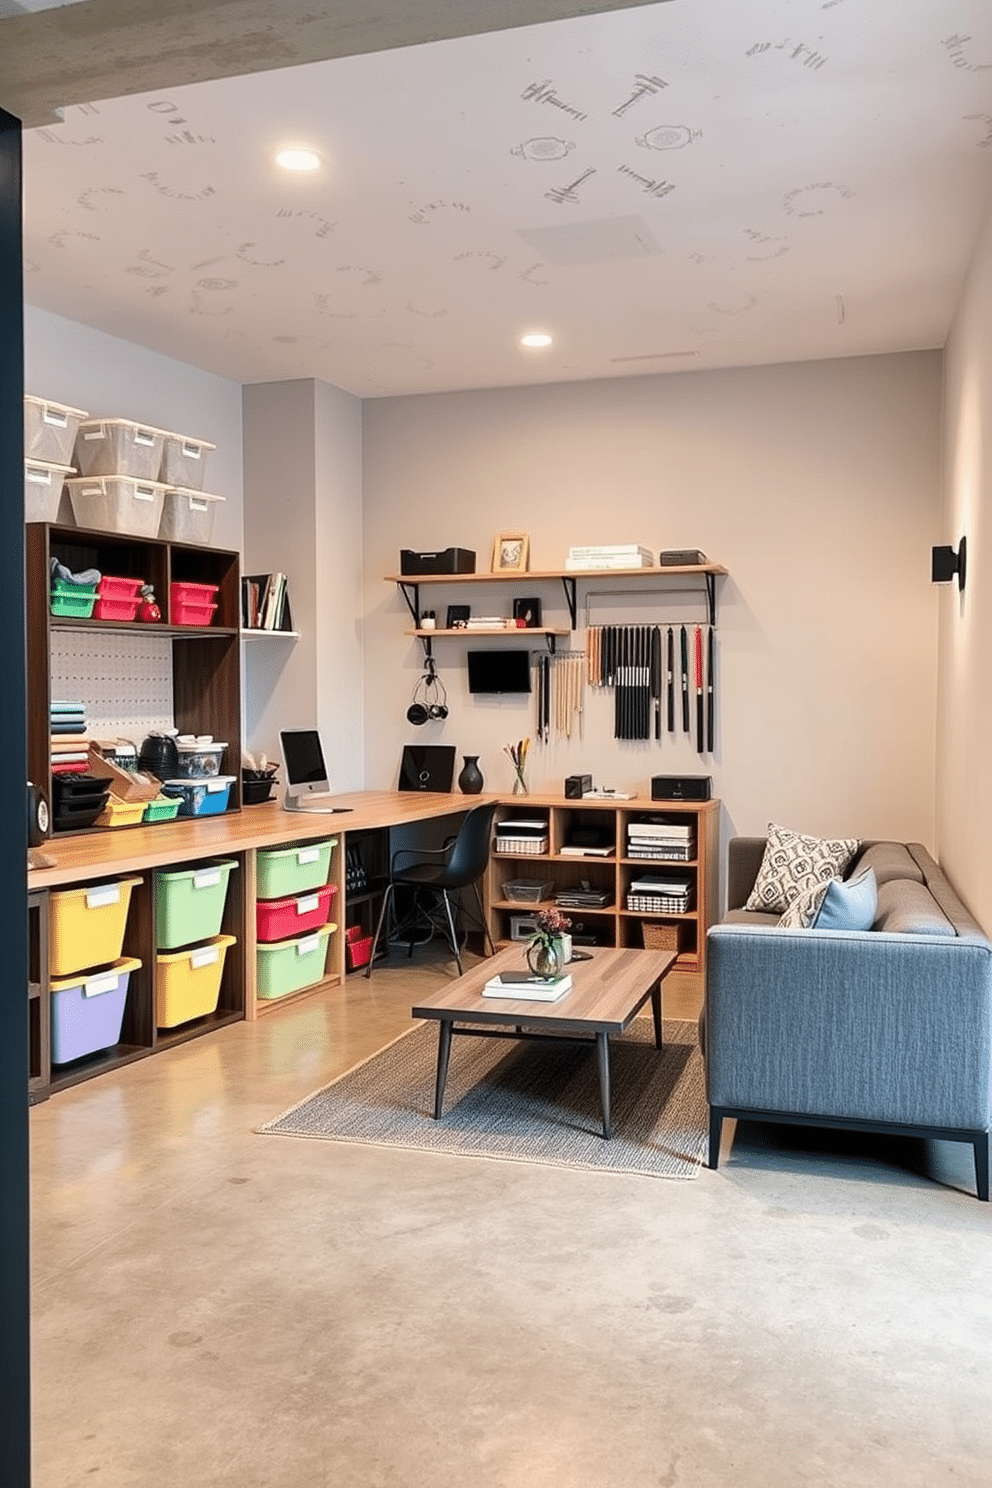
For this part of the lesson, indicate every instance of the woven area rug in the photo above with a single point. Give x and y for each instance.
(523, 1102)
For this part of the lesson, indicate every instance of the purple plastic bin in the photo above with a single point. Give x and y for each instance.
(88, 1010)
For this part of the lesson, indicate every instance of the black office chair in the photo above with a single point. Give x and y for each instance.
(458, 865)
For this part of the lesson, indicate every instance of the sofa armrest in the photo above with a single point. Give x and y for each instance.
(866, 1025)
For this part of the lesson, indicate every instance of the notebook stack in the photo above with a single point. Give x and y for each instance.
(583, 898)
(610, 555)
(69, 743)
(659, 894)
(655, 838)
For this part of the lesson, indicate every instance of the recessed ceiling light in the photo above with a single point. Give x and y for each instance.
(297, 159)
(536, 338)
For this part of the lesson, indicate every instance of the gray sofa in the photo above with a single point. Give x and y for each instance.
(888, 1029)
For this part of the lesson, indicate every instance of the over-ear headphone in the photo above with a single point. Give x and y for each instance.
(430, 699)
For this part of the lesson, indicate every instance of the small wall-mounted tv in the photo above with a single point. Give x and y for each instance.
(499, 671)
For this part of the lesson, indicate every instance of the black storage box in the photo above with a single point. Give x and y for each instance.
(576, 786)
(447, 561)
(681, 787)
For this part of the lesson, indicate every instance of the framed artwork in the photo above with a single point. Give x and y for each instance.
(458, 616)
(510, 552)
(527, 613)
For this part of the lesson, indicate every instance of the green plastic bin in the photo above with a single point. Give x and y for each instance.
(189, 903)
(284, 871)
(286, 966)
(162, 810)
(72, 601)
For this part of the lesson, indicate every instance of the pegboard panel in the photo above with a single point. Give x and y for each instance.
(124, 679)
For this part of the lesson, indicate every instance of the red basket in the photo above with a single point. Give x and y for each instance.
(190, 604)
(117, 599)
(358, 947)
(278, 919)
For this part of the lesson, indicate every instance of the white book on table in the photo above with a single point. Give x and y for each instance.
(519, 987)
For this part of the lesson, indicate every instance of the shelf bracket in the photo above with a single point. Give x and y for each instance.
(711, 597)
(569, 586)
(411, 593)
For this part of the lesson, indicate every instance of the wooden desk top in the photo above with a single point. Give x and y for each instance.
(606, 992)
(100, 854)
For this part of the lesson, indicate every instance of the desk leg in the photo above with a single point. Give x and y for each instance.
(443, 1054)
(603, 1053)
(656, 1011)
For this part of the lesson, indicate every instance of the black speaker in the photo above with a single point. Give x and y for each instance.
(576, 786)
(681, 787)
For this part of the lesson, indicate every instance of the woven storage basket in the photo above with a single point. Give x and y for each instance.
(660, 937)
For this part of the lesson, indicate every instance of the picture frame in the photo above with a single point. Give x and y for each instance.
(527, 613)
(511, 552)
(458, 616)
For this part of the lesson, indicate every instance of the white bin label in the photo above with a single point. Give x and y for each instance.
(195, 504)
(206, 957)
(217, 785)
(52, 416)
(307, 945)
(307, 904)
(37, 477)
(96, 985)
(207, 879)
(100, 898)
(144, 493)
(191, 451)
(141, 436)
(92, 434)
(308, 855)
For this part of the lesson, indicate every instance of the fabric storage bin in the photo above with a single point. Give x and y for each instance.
(187, 983)
(290, 965)
(117, 503)
(117, 599)
(72, 601)
(184, 462)
(88, 1010)
(119, 447)
(188, 516)
(285, 871)
(119, 813)
(86, 926)
(50, 430)
(200, 797)
(43, 483)
(659, 936)
(276, 919)
(191, 604)
(161, 809)
(189, 902)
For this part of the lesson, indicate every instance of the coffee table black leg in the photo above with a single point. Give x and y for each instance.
(656, 1010)
(443, 1053)
(603, 1052)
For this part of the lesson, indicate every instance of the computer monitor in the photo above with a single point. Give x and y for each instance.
(307, 784)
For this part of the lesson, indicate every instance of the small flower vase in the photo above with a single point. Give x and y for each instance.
(470, 780)
(545, 958)
(519, 784)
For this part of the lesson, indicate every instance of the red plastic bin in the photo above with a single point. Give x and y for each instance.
(117, 599)
(278, 919)
(358, 947)
(191, 604)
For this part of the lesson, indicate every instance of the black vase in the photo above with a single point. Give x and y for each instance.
(470, 780)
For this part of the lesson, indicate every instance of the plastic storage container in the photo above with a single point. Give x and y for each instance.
(526, 890)
(277, 919)
(119, 447)
(88, 1010)
(358, 947)
(290, 965)
(117, 599)
(199, 760)
(187, 983)
(43, 483)
(200, 797)
(161, 809)
(117, 503)
(86, 926)
(191, 604)
(72, 601)
(50, 430)
(189, 903)
(188, 516)
(284, 871)
(119, 813)
(184, 462)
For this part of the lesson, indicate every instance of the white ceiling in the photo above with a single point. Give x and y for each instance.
(700, 183)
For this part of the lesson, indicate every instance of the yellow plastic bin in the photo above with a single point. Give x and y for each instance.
(286, 871)
(86, 926)
(187, 983)
(286, 966)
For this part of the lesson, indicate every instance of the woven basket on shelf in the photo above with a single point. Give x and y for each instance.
(660, 937)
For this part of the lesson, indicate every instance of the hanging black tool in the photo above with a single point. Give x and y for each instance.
(710, 695)
(656, 678)
(670, 669)
(684, 645)
(698, 640)
(546, 665)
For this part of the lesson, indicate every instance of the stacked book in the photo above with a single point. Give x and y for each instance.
(655, 838)
(583, 898)
(610, 555)
(659, 894)
(518, 986)
(485, 622)
(69, 742)
(528, 835)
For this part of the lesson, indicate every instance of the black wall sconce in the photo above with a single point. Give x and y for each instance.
(945, 563)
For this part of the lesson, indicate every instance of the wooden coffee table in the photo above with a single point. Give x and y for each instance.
(607, 992)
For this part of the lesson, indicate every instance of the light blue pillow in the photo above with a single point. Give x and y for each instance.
(840, 904)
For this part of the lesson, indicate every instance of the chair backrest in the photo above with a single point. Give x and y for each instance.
(470, 850)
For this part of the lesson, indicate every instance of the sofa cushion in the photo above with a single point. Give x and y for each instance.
(888, 860)
(908, 908)
(839, 904)
(793, 863)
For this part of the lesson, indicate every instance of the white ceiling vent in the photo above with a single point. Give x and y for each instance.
(600, 240)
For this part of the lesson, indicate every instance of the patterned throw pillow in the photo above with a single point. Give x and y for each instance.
(838, 904)
(793, 863)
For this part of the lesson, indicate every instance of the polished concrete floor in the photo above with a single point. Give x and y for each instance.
(216, 1307)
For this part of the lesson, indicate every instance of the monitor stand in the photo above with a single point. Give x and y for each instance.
(293, 803)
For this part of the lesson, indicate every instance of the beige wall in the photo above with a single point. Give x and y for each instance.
(816, 484)
(964, 712)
